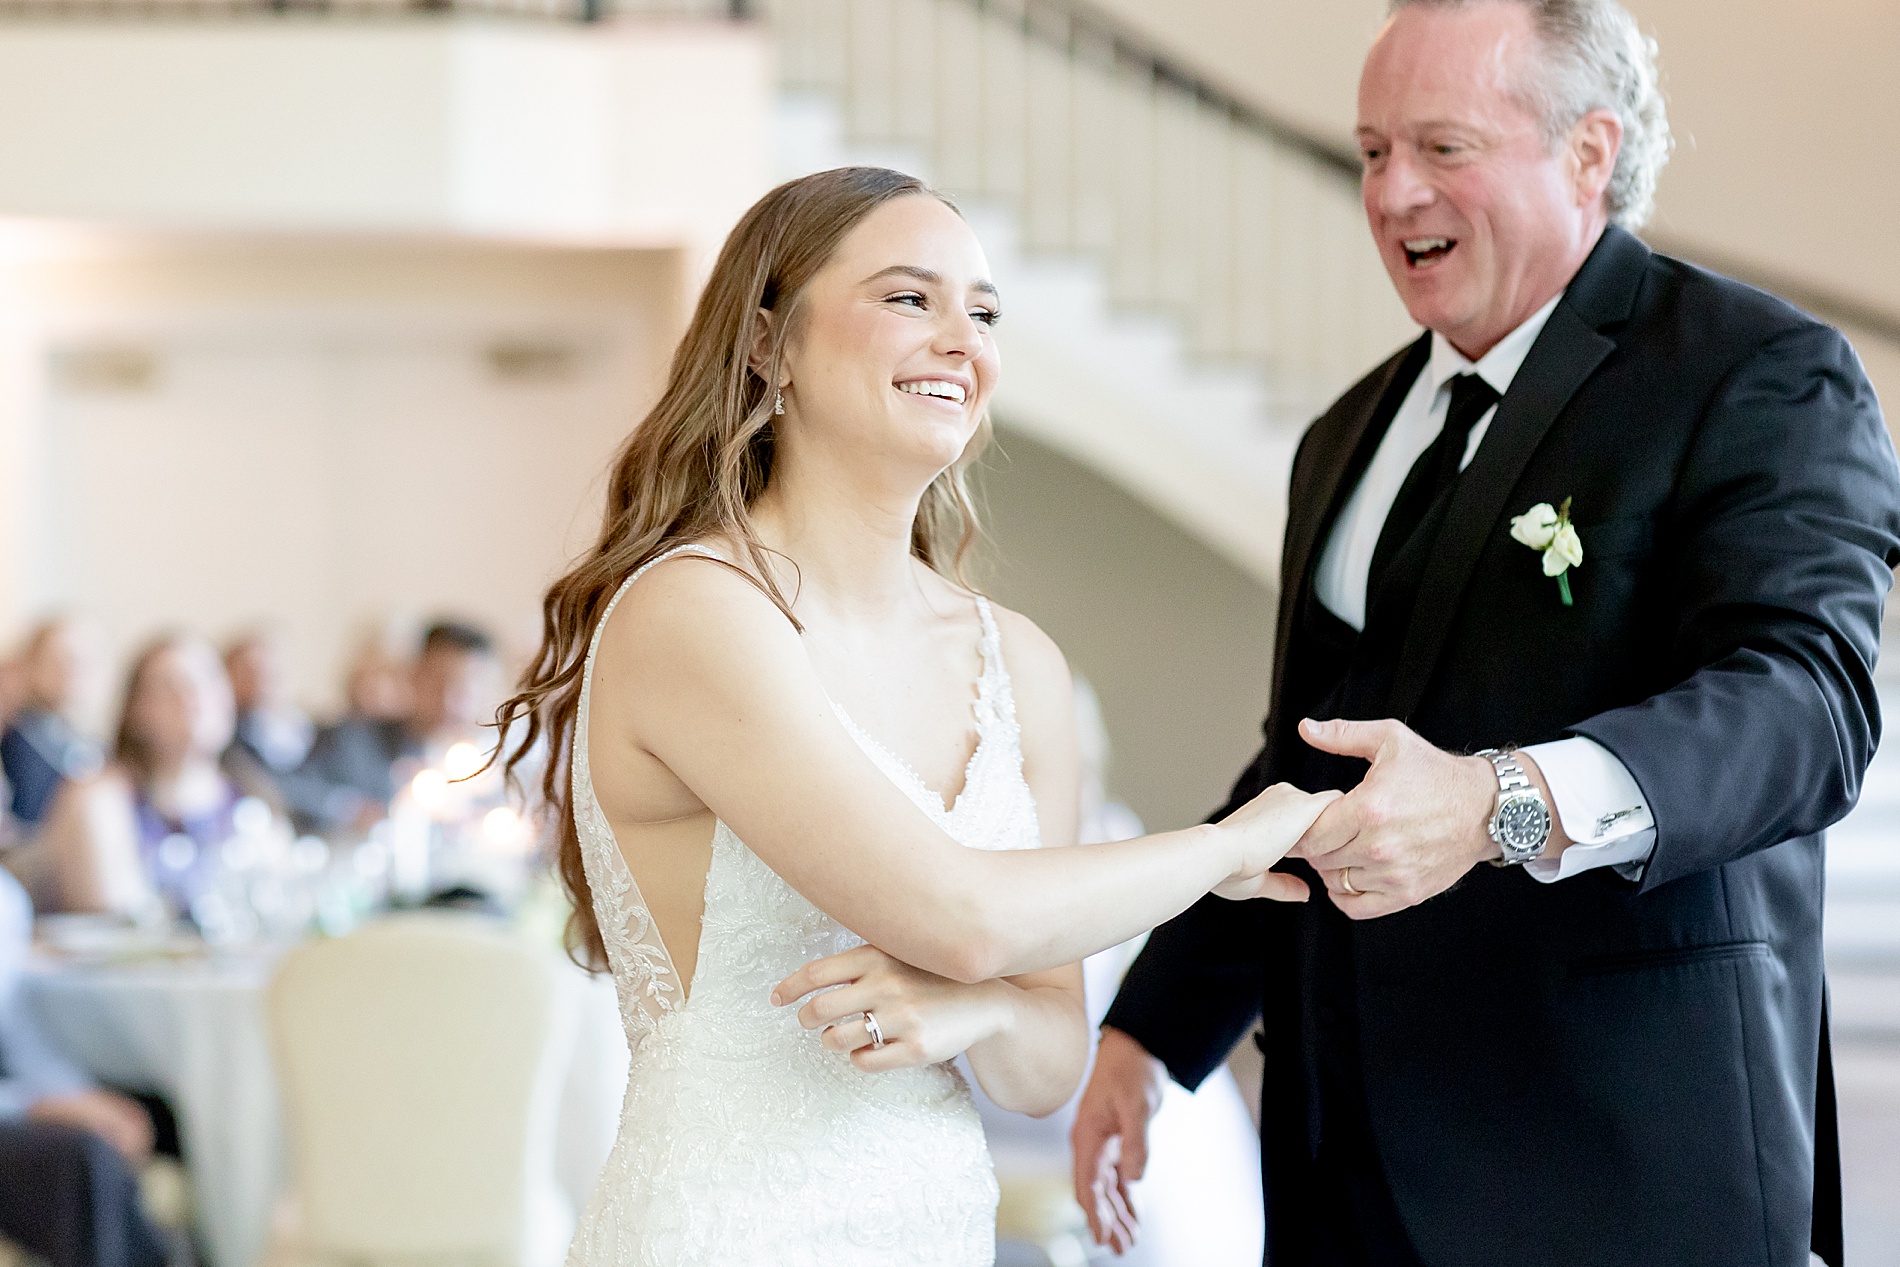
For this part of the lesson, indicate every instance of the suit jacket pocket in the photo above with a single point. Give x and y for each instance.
(1676, 957)
(1649, 1056)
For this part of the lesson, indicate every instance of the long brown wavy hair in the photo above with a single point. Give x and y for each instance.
(695, 465)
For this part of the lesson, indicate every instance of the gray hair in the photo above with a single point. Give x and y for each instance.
(1598, 60)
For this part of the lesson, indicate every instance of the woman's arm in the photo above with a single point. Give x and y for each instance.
(709, 677)
(1026, 1036)
(1036, 1058)
(87, 849)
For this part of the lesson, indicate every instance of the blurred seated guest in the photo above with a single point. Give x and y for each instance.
(377, 684)
(154, 822)
(68, 1149)
(454, 688)
(12, 696)
(271, 729)
(274, 736)
(41, 749)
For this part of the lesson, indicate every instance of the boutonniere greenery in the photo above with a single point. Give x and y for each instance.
(1550, 530)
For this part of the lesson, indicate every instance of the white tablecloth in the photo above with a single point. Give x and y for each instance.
(194, 1032)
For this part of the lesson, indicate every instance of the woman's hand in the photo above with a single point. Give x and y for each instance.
(119, 1121)
(1261, 832)
(924, 1018)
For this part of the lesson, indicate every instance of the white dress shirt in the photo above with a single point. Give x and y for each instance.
(1596, 799)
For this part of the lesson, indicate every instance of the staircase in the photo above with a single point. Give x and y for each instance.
(1185, 282)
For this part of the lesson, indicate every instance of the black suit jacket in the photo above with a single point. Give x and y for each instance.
(1596, 1070)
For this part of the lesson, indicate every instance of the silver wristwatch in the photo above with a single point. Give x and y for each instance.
(1520, 825)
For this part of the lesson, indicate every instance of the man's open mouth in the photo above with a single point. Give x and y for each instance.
(1420, 252)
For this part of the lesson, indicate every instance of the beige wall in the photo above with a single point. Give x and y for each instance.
(1176, 640)
(1780, 112)
(536, 130)
(318, 433)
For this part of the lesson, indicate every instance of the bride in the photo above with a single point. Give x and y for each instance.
(819, 812)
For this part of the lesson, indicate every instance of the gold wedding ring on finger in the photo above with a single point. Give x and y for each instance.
(1345, 883)
(875, 1030)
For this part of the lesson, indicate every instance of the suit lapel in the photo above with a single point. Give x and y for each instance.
(1343, 442)
(1566, 353)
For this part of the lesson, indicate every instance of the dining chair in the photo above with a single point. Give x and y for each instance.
(421, 1060)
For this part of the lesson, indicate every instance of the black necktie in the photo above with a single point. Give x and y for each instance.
(1435, 471)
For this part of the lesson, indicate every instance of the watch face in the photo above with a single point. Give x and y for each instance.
(1523, 823)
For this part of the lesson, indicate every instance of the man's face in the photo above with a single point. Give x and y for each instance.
(455, 690)
(1478, 219)
(58, 665)
(256, 668)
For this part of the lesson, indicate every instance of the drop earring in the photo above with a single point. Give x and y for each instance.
(778, 403)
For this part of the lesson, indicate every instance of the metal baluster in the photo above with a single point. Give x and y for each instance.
(958, 89)
(1253, 277)
(913, 111)
(1133, 260)
(1215, 325)
(1095, 148)
(1048, 195)
(1005, 121)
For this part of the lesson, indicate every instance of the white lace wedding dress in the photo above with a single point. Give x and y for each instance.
(742, 1139)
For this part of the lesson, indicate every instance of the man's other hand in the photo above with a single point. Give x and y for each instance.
(1110, 1136)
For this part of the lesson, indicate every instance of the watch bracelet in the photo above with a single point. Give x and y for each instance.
(1510, 786)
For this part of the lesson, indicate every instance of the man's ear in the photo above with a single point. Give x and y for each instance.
(1594, 144)
(759, 356)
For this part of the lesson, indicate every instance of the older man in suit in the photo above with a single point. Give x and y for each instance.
(1586, 584)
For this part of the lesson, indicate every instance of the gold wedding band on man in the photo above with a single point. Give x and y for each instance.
(1345, 883)
(876, 1031)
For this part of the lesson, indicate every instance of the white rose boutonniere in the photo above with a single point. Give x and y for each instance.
(1550, 530)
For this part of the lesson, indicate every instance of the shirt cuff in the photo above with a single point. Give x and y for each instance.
(1601, 809)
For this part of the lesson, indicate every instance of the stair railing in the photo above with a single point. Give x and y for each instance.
(1248, 235)
(1244, 232)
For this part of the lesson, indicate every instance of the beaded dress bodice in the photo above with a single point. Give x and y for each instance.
(742, 1139)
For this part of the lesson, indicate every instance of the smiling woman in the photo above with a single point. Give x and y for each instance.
(820, 796)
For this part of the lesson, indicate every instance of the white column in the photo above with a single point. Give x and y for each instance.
(22, 461)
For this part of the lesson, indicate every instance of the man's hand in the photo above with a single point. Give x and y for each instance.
(122, 1123)
(1110, 1136)
(1412, 829)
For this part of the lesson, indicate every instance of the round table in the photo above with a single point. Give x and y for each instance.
(193, 1031)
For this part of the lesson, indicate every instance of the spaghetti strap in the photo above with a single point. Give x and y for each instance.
(994, 691)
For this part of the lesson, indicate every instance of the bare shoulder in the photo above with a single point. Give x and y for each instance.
(690, 618)
(108, 787)
(1045, 709)
(81, 806)
(1039, 674)
(1029, 651)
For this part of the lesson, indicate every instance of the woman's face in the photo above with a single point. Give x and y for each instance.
(894, 356)
(183, 707)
